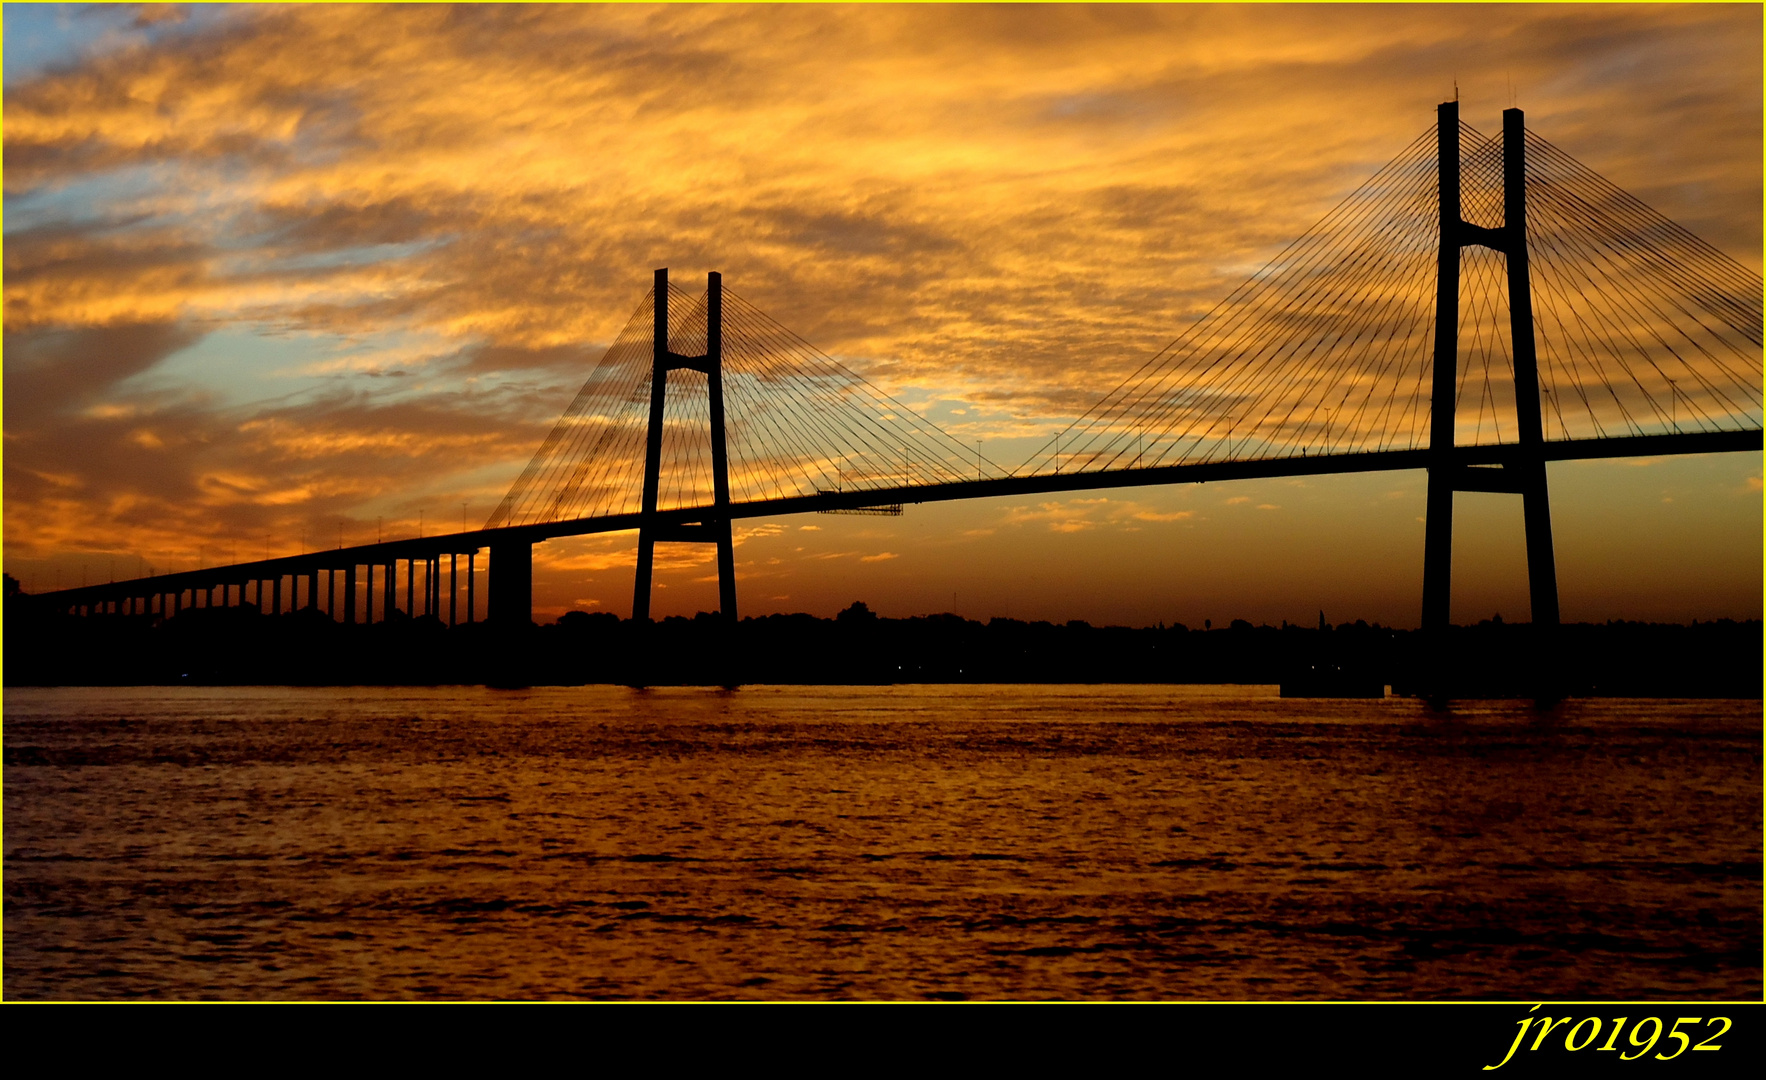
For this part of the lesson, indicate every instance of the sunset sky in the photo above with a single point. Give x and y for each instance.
(277, 277)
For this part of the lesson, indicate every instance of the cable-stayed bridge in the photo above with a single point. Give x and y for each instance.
(1479, 307)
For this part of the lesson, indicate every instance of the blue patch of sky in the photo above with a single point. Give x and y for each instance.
(338, 258)
(92, 198)
(242, 368)
(112, 199)
(44, 38)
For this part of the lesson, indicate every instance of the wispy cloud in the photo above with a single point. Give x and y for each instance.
(287, 270)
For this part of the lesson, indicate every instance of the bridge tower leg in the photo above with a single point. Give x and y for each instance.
(1542, 575)
(1438, 520)
(652, 448)
(720, 459)
(714, 528)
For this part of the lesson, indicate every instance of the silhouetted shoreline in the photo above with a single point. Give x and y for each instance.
(241, 646)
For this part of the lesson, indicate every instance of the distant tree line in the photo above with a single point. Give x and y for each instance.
(1492, 658)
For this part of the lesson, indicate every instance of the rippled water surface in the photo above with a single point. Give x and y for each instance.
(875, 842)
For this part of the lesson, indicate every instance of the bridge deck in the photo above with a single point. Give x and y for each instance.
(477, 540)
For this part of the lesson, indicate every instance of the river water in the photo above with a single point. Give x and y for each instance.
(905, 842)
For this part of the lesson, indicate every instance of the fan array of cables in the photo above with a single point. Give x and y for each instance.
(796, 423)
(1640, 328)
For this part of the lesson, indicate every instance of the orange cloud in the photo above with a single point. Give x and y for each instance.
(441, 215)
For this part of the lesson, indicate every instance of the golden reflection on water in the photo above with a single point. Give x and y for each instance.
(875, 842)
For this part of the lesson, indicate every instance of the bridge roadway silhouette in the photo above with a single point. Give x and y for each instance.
(1515, 467)
(474, 542)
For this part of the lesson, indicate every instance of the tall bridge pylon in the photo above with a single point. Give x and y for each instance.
(715, 529)
(1476, 308)
(1523, 473)
(701, 409)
